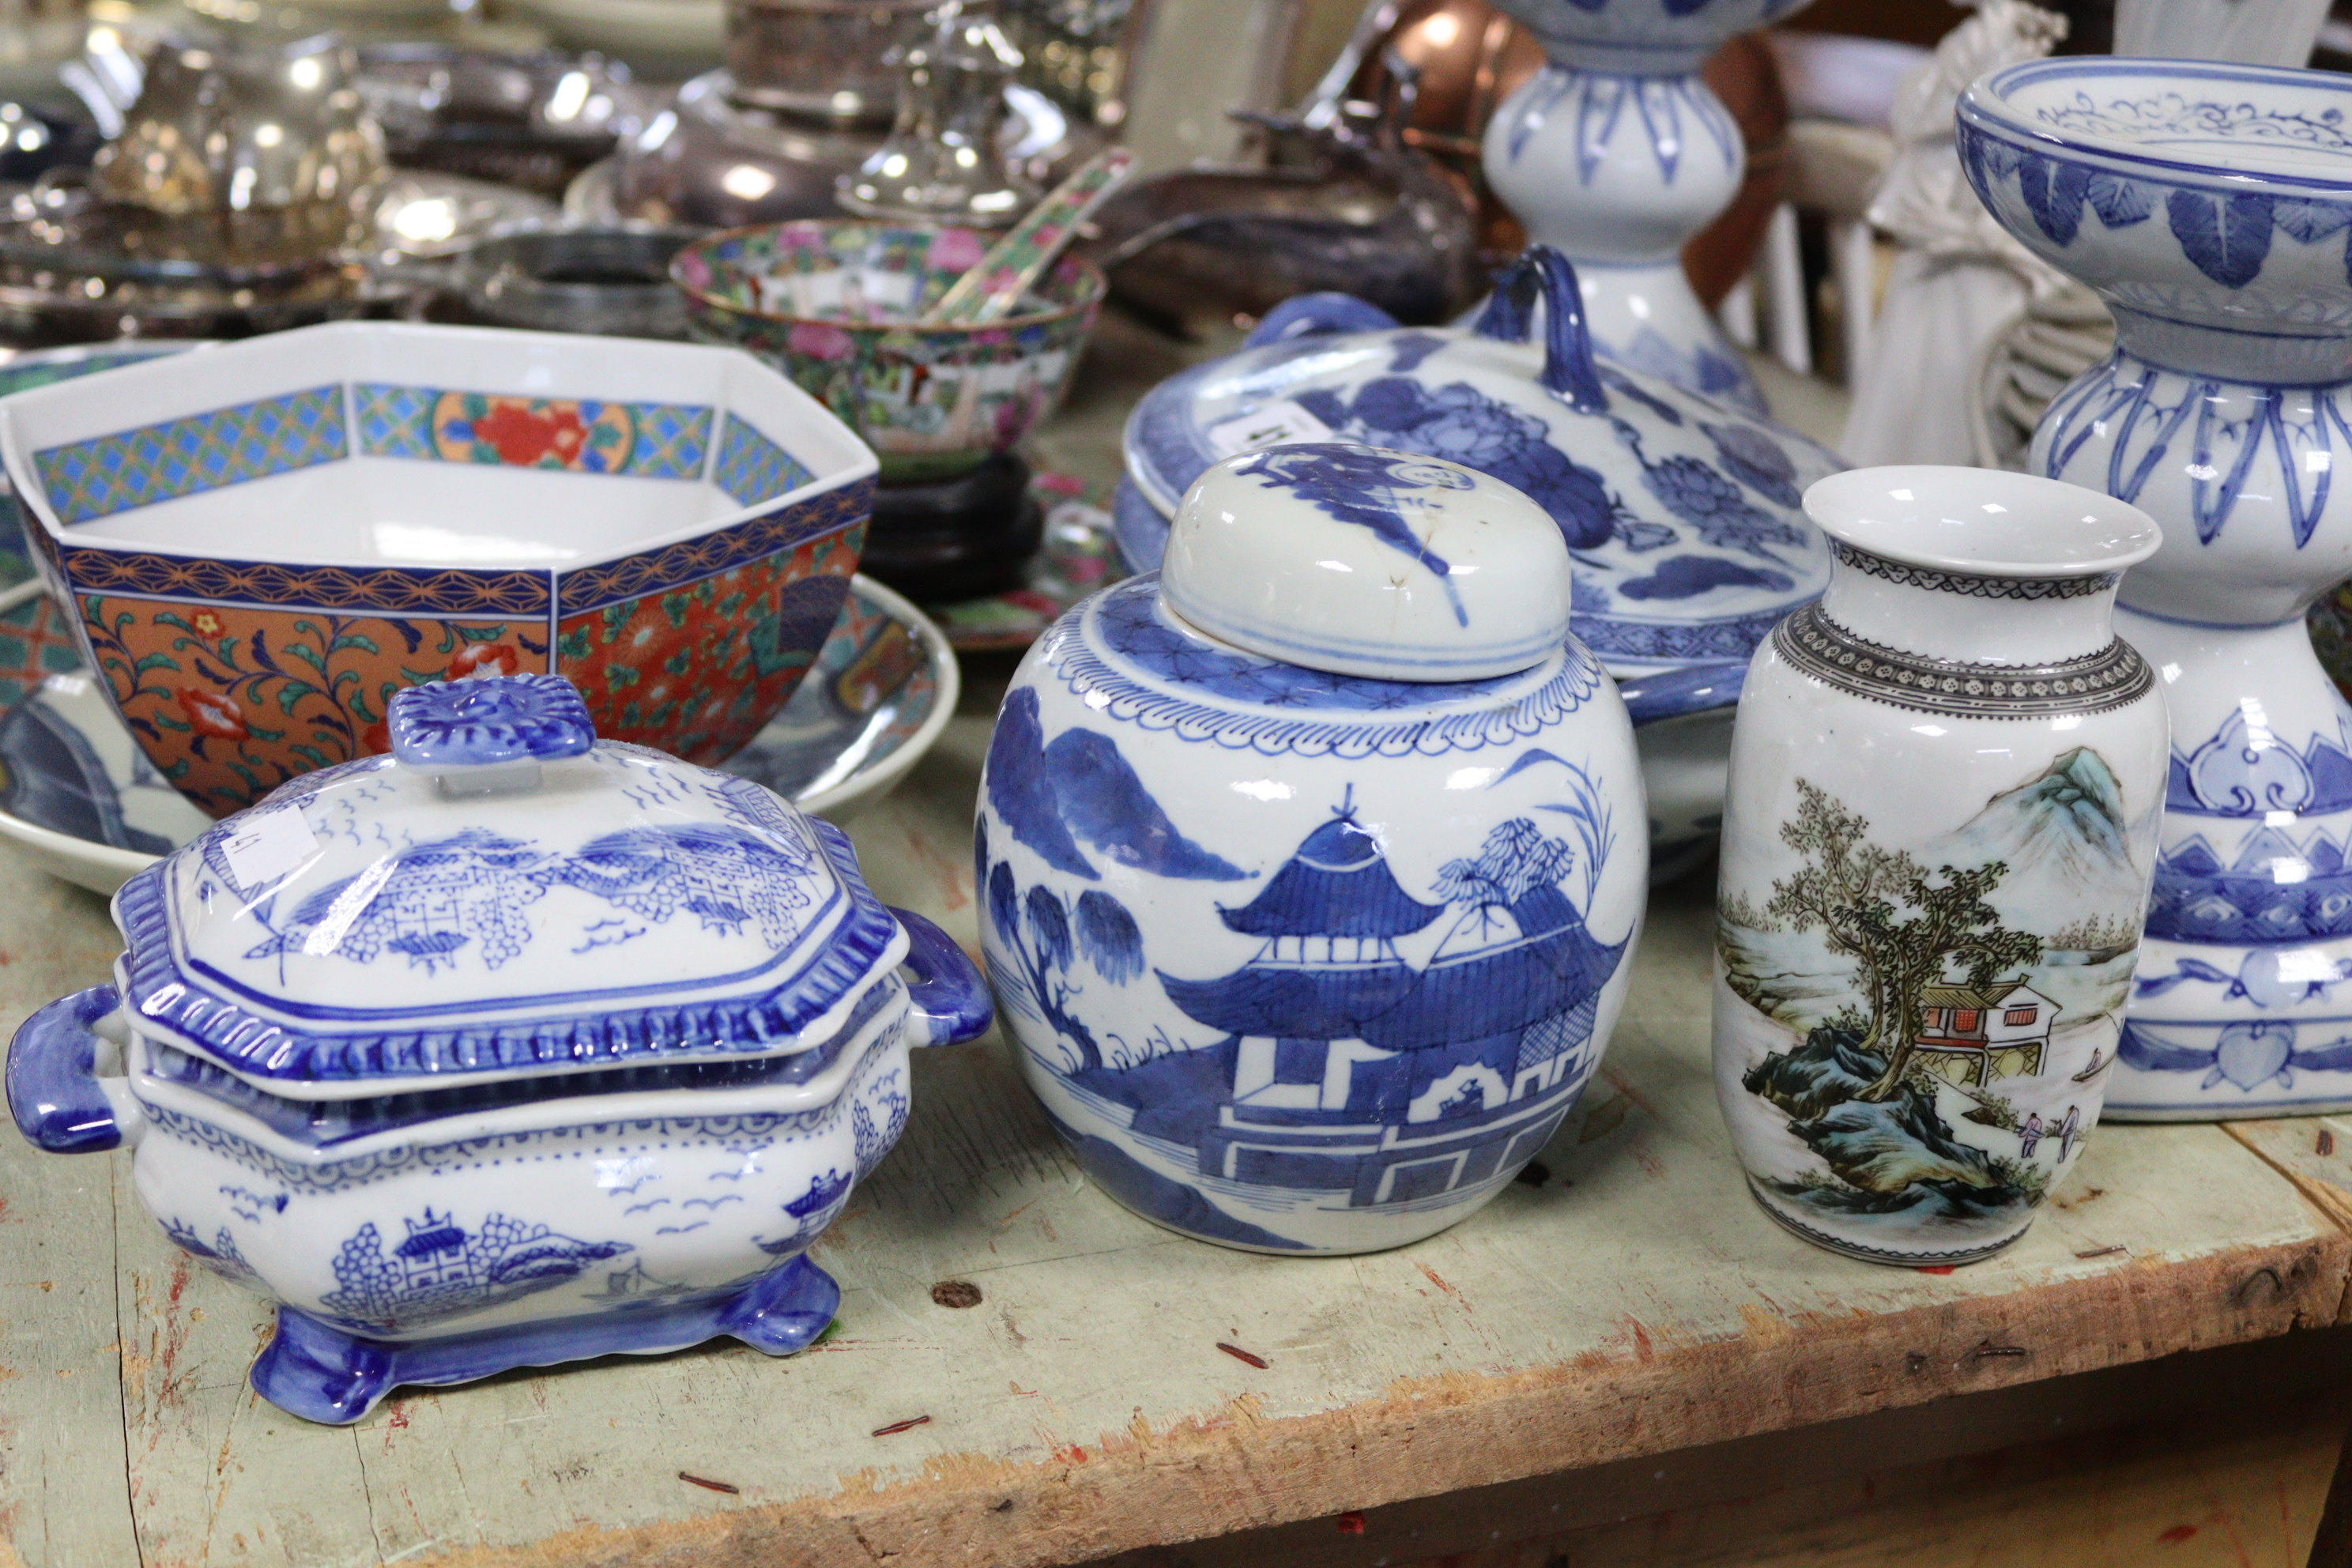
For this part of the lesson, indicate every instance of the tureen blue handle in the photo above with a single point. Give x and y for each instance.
(1312, 315)
(1690, 689)
(53, 1091)
(1543, 273)
(950, 1001)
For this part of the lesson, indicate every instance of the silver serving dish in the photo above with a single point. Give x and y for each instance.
(77, 269)
(713, 160)
(611, 281)
(241, 153)
(533, 121)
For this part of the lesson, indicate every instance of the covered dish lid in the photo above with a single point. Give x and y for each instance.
(1363, 562)
(503, 895)
(1683, 515)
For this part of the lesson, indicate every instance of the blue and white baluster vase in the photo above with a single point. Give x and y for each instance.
(2211, 206)
(1618, 154)
(1946, 782)
(1313, 863)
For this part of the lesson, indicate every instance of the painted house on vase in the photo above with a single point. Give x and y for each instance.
(1974, 1034)
(1354, 1073)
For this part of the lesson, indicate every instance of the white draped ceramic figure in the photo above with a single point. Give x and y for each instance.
(1957, 277)
(2211, 206)
(1616, 152)
(2253, 32)
(1946, 784)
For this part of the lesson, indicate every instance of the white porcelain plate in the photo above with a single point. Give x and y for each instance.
(79, 798)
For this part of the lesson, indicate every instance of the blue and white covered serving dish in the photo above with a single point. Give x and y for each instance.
(1681, 513)
(1313, 864)
(510, 1048)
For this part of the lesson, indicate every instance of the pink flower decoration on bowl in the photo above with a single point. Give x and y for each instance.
(819, 341)
(956, 250)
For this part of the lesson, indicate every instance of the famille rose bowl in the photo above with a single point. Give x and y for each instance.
(512, 1047)
(834, 305)
(266, 540)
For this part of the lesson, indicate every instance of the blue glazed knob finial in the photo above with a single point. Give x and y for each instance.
(489, 719)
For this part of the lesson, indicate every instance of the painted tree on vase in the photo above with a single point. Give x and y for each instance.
(1853, 892)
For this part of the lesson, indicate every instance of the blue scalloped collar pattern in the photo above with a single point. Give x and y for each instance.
(1123, 654)
(191, 1013)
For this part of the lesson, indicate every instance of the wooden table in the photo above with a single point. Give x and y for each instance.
(1630, 1303)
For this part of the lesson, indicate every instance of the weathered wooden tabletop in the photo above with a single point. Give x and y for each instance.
(1631, 1302)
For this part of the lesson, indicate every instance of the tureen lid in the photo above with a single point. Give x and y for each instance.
(503, 895)
(1364, 561)
(1683, 515)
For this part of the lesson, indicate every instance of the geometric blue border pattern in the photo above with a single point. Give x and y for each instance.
(369, 590)
(425, 591)
(109, 474)
(161, 991)
(751, 468)
(705, 555)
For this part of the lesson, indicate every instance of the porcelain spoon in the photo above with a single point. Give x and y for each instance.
(998, 280)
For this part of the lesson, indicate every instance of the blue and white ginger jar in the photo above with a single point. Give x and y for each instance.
(1313, 865)
(508, 1048)
(1681, 513)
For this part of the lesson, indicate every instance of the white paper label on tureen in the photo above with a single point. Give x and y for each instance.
(267, 845)
(1268, 427)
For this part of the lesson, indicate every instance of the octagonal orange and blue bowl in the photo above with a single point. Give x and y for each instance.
(263, 542)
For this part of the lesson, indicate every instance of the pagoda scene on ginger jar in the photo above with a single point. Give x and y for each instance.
(1309, 940)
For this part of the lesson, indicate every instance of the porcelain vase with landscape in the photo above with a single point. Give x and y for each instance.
(2211, 206)
(1618, 154)
(1946, 782)
(1309, 941)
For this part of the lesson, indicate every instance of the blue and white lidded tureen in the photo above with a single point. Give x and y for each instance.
(1681, 514)
(510, 1048)
(1313, 864)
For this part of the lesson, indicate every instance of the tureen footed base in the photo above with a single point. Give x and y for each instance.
(324, 1375)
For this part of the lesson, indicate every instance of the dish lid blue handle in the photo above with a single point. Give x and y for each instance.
(1568, 371)
(1316, 315)
(489, 719)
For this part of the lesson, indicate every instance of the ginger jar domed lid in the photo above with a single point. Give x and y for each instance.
(503, 895)
(1364, 561)
(1683, 514)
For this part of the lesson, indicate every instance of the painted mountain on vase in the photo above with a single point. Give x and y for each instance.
(2063, 836)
